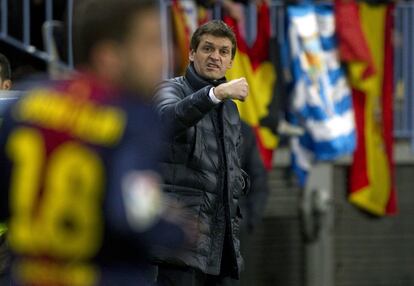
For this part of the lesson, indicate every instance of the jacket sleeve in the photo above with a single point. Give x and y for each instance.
(182, 111)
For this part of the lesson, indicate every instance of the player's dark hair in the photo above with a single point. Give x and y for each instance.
(96, 21)
(215, 28)
(5, 69)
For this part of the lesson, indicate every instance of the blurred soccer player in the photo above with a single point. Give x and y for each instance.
(5, 73)
(78, 182)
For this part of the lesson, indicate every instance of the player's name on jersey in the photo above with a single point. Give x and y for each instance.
(83, 119)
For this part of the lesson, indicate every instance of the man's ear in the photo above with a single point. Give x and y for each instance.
(230, 64)
(106, 61)
(7, 84)
(191, 55)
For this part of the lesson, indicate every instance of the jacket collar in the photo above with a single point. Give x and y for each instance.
(197, 82)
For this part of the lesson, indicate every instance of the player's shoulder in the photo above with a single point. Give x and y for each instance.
(141, 115)
(179, 80)
(176, 83)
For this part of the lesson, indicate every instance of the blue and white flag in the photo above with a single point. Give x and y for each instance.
(321, 98)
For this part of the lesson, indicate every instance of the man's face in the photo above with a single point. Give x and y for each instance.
(142, 53)
(213, 57)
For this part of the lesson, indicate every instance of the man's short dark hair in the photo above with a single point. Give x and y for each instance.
(216, 28)
(5, 69)
(96, 21)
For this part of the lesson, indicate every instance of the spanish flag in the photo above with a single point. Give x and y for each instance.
(367, 48)
(183, 28)
(253, 63)
(182, 34)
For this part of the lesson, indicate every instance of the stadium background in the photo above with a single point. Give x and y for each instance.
(351, 247)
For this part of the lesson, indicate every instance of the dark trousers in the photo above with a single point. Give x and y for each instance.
(247, 251)
(170, 275)
(184, 276)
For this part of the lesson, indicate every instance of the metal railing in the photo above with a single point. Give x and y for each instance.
(47, 54)
(404, 72)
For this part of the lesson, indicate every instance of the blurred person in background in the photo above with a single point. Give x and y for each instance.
(5, 73)
(78, 159)
(5, 84)
(254, 204)
(202, 169)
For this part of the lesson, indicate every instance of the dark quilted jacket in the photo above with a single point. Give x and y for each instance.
(202, 170)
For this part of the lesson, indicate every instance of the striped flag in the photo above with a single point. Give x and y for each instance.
(321, 98)
(253, 63)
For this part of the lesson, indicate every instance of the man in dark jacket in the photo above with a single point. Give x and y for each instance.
(202, 170)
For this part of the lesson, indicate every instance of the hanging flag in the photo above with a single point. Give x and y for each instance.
(186, 17)
(321, 98)
(253, 63)
(372, 185)
(204, 15)
(182, 33)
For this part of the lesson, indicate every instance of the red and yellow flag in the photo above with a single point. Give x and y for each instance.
(254, 64)
(372, 185)
(182, 34)
(182, 31)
